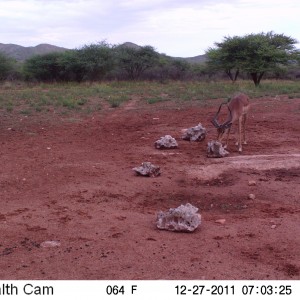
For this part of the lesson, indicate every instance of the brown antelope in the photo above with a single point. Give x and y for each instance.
(238, 108)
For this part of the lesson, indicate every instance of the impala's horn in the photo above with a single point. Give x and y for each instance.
(228, 123)
(215, 119)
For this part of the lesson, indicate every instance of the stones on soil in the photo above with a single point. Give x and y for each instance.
(251, 196)
(195, 134)
(50, 244)
(220, 221)
(147, 169)
(216, 150)
(251, 182)
(166, 142)
(183, 219)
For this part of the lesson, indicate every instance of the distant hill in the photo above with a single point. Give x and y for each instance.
(193, 60)
(129, 45)
(21, 53)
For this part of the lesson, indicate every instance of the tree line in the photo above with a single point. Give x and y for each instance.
(251, 56)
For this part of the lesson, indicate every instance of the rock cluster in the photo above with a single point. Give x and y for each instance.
(166, 142)
(147, 169)
(195, 134)
(183, 218)
(216, 150)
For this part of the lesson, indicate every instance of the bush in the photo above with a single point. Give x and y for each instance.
(91, 63)
(7, 67)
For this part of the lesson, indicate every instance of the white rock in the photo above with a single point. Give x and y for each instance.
(195, 134)
(220, 221)
(251, 182)
(251, 196)
(147, 169)
(216, 150)
(183, 218)
(166, 142)
(50, 244)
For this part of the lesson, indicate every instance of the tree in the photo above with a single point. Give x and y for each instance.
(255, 54)
(44, 67)
(162, 69)
(95, 60)
(72, 68)
(179, 68)
(226, 57)
(6, 66)
(136, 60)
(91, 62)
(266, 52)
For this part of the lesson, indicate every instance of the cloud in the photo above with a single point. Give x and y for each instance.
(178, 28)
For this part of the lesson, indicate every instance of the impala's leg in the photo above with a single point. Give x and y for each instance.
(227, 138)
(240, 134)
(244, 129)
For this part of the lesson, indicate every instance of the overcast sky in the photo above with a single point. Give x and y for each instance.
(181, 28)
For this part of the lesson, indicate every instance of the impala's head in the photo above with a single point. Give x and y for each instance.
(222, 127)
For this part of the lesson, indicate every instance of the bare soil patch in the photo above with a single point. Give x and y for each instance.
(72, 208)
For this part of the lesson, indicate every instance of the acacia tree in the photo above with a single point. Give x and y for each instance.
(226, 57)
(255, 54)
(266, 52)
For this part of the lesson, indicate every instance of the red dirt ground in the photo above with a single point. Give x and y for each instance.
(70, 180)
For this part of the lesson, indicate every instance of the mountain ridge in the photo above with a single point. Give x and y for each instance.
(21, 53)
(193, 59)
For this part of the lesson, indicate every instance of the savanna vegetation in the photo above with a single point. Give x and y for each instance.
(95, 75)
(85, 98)
(253, 56)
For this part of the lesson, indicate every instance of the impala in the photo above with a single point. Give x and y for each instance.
(238, 108)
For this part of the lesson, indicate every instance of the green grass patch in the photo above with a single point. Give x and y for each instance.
(153, 100)
(91, 97)
(25, 112)
(117, 100)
